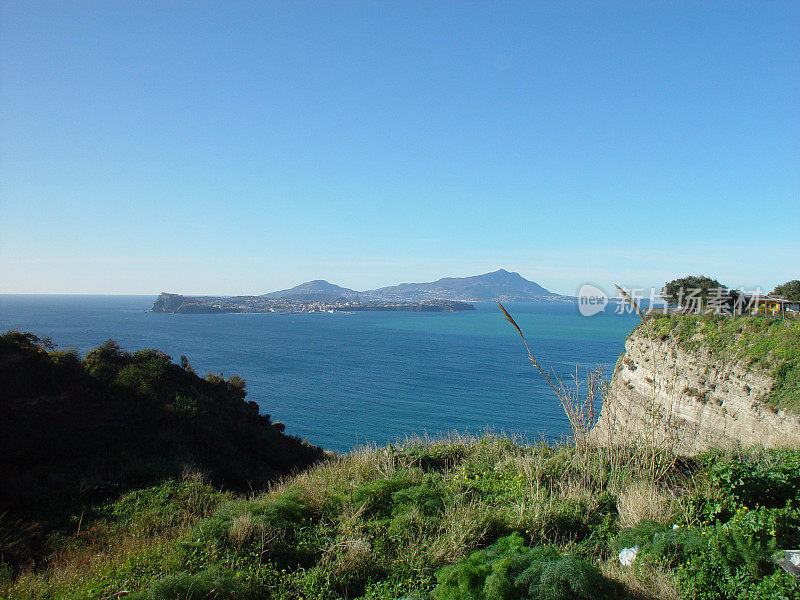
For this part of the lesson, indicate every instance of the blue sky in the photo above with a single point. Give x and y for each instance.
(238, 147)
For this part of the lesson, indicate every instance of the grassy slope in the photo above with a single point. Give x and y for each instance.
(768, 343)
(382, 522)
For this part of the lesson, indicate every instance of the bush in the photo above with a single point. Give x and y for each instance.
(210, 584)
(768, 478)
(106, 360)
(274, 528)
(736, 561)
(67, 363)
(377, 496)
(789, 290)
(427, 497)
(152, 510)
(639, 535)
(677, 290)
(435, 456)
(508, 569)
(674, 546)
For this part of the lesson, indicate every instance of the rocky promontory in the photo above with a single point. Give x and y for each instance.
(696, 382)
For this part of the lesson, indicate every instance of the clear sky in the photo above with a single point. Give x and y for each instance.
(238, 147)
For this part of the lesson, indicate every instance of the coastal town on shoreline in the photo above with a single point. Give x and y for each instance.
(179, 304)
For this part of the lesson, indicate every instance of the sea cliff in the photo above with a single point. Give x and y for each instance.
(694, 382)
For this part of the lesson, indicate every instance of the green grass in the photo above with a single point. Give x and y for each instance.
(459, 518)
(770, 344)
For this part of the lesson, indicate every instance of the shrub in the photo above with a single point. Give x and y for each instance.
(271, 528)
(210, 584)
(674, 546)
(789, 290)
(639, 535)
(284, 509)
(427, 497)
(508, 569)
(106, 360)
(677, 290)
(768, 478)
(435, 456)
(377, 496)
(736, 561)
(151, 510)
(667, 547)
(67, 363)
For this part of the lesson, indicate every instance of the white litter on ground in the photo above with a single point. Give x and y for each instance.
(789, 560)
(628, 555)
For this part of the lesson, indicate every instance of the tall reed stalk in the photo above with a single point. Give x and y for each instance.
(578, 403)
(652, 451)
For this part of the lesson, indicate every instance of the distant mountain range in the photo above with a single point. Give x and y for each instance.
(498, 285)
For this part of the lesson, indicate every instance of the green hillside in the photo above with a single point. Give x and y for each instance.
(76, 433)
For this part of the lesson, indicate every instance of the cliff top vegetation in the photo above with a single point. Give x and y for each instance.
(770, 344)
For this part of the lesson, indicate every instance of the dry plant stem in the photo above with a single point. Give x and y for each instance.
(579, 412)
(511, 320)
(560, 391)
(655, 455)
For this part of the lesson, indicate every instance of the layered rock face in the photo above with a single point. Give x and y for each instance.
(690, 401)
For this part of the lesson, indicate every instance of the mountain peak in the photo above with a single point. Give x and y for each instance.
(502, 274)
(496, 285)
(315, 288)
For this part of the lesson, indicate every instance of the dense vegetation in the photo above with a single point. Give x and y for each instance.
(76, 433)
(458, 519)
(789, 290)
(676, 291)
(772, 344)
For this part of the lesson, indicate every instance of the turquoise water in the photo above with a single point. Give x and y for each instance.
(342, 380)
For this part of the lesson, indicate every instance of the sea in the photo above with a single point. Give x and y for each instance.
(346, 380)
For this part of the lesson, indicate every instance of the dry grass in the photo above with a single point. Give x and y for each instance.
(463, 525)
(349, 557)
(654, 584)
(646, 501)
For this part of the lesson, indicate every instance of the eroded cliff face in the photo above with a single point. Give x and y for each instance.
(690, 401)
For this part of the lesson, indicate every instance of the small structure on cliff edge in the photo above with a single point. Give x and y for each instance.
(774, 306)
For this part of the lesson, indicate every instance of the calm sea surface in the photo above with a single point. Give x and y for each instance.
(342, 380)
